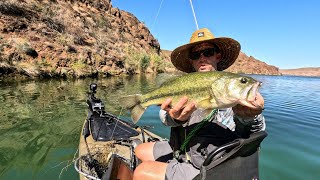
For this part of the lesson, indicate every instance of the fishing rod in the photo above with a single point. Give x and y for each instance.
(194, 15)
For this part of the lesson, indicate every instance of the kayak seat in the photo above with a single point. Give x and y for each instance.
(117, 169)
(238, 162)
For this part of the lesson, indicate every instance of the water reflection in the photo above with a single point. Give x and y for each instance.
(40, 118)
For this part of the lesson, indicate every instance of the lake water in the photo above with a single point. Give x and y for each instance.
(40, 123)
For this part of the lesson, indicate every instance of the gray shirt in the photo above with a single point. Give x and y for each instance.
(223, 127)
(224, 118)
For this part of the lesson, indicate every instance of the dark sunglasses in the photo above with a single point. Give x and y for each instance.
(206, 52)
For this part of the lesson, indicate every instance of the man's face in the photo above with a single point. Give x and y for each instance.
(207, 60)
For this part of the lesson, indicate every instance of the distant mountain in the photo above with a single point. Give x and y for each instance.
(308, 71)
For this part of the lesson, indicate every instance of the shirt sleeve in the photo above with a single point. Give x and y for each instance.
(226, 119)
(243, 127)
(167, 120)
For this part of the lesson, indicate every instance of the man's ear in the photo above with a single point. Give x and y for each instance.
(218, 57)
(190, 61)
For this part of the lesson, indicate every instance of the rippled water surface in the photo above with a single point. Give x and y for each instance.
(40, 123)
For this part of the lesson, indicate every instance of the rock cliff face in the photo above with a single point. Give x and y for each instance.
(62, 38)
(250, 65)
(81, 38)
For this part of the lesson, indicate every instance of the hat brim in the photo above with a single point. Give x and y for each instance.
(229, 49)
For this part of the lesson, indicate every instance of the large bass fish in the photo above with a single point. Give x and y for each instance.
(209, 90)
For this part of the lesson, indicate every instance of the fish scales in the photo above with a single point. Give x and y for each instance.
(191, 86)
(157, 97)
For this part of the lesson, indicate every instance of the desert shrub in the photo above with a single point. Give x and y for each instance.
(65, 39)
(78, 65)
(43, 63)
(132, 59)
(144, 62)
(54, 24)
(12, 9)
(156, 61)
(140, 60)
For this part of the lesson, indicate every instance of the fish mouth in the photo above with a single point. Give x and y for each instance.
(251, 100)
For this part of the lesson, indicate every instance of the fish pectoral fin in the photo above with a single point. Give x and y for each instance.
(207, 112)
(205, 104)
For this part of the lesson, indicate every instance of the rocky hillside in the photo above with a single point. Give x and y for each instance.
(83, 38)
(73, 38)
(302, 71)
(250, 65)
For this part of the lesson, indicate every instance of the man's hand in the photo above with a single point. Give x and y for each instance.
(181, 111)
(246, 112)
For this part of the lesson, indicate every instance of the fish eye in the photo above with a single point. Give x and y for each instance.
(243, 80)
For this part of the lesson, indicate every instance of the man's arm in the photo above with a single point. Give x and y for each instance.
(249, 120)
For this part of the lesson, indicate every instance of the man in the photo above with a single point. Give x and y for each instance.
(203, 53)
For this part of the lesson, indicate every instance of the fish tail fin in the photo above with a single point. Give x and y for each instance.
(133, 103)
(136, 112)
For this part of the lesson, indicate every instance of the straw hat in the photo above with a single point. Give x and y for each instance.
(229, 49)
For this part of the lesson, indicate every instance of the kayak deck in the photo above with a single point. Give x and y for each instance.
(101, 152)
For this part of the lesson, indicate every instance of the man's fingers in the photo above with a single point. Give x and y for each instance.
(182, 102)
(166, 104)
(181, 110)
(187, 111)
(246, 112)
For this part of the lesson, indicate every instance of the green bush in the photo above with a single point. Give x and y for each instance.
(157, 62)
(78, 65)
(144, 62)
(141, 60)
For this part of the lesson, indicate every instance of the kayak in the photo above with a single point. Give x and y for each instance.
(106, 146)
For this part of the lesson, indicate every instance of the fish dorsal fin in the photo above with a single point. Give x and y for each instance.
(163, 79)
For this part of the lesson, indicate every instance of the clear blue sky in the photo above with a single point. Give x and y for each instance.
(283, 33)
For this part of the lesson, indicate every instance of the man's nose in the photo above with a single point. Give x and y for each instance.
(202, 57)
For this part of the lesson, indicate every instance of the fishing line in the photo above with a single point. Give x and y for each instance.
(194, 14)
(155, 19)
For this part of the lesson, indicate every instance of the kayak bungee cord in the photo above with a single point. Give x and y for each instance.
(116, 123)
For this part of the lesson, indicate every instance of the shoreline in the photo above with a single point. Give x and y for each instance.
(21, 78)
